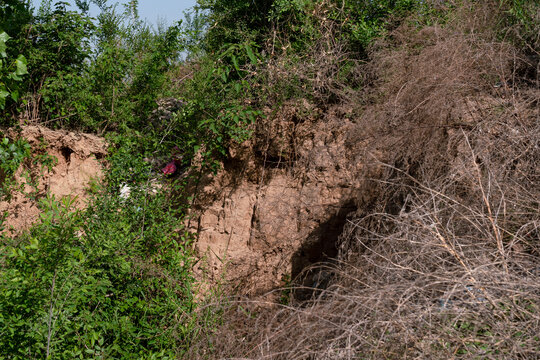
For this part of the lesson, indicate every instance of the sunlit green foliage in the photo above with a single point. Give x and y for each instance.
(14, 16)
(12, 154)
(11, 72)
(115, 280)
(111, 281)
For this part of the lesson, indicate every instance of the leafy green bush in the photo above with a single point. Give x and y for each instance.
(114, 85)
(14, 16)
(113, 281)
(359, 22)
(58, 52)
(10, 73)
(220, 103)
(12, 154)
(230, 22)
(522, 17)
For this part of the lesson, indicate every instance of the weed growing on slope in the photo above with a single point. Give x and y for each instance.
(12, 154)
(113, 280)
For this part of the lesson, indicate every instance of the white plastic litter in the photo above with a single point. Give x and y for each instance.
(125, 192)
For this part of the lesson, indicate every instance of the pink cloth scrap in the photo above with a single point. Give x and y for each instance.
(170, 168)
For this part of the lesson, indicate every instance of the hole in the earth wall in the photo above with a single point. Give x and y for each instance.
(66, 153)
(320, 247)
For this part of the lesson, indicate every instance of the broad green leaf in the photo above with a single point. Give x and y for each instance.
(235, 63)
(34, 243)
(21, 65)
(14, 76)
(251, 55)
(3, 39)
(3, 96)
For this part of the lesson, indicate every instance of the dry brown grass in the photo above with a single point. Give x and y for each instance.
(449, 276)
(446, 263)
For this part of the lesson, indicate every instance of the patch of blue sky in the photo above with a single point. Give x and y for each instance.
(164, 12)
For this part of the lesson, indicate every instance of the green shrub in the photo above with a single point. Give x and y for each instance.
(522, 18)
(220, 103)
(14, 16)
(359, 22)
(231, 22)
(11, 73)
(112, 281)
(12, 154)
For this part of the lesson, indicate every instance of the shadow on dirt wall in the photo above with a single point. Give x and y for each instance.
(320, 246)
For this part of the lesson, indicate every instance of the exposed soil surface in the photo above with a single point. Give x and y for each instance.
(281, 201)
(78, 162)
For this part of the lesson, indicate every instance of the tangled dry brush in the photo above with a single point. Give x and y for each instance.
(446, 264)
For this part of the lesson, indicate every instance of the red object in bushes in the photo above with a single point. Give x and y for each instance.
(169, 169)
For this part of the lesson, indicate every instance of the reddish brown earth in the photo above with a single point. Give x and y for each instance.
(280, 203)
(282, 200)
(78, 163)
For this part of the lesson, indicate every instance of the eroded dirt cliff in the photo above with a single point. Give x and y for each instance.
(280, 202)
(76, 162)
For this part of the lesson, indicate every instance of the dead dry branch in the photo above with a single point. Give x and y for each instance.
(445, 264)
